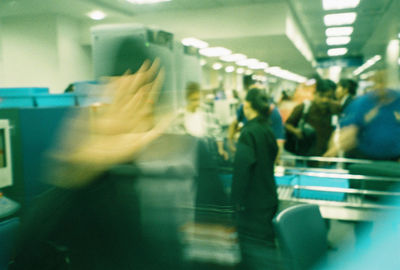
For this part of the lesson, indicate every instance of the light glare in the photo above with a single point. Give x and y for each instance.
(339, 4)
(337, 40)
(339, 31)
(337, 51)
(340, 18)
(97, 15)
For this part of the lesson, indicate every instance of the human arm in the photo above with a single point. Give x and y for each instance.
(233, 128)
(347, 141)
(244, 160)
(293, 121)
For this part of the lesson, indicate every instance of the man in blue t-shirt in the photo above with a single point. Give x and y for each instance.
(371, 128)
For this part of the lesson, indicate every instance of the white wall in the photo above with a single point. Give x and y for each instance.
(42, 51)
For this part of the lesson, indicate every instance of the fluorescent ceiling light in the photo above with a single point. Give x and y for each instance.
(337, 40)
(340, 18)
(233, 57)
(247, 62)
(337, 51)
(97, 15)
(248, 72)
(229, 69)
(240, 71)
(217, 66)
(370, 62)
(197, 43)
(285, 74)
(143, 2)
(215, 51)
(259, 65)
(339, 4)
(339, 31)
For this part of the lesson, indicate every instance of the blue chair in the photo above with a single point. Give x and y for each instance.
(302, 235)
(8, 231)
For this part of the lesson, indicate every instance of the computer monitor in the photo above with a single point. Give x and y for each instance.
(5, 154)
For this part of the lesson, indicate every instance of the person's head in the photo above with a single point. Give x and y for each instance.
(256, 104)
(331, 85)
(192, 96)
(346, 87)
(323, 93)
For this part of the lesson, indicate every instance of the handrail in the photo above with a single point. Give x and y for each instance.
(347, 190)
(325, 159)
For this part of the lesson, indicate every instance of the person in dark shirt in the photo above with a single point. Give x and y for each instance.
(254, 193)
(345, 93)
(319, 116)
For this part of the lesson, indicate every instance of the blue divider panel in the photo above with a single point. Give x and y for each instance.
(55, 100)
(304, 180)
(16, 102)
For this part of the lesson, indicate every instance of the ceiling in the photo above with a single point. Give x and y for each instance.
(253, 27)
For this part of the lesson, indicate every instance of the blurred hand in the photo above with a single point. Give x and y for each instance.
(115, 132)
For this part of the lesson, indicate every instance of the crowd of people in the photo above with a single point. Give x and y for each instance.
(369, 128)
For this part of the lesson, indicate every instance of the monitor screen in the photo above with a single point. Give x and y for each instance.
(5, 155)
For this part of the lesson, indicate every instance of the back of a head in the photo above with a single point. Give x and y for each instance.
(259, 101)
(331, 85)
(322, 86)
(350, 85)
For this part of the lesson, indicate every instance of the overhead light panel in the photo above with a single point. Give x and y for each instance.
(285, 74)
(340, 18)
(369, 63)
(97, 15)
(217, 66)
(337, 51)
(194, 42)
(144, 2)
(259, 65)
(337, 40)
(339, 4)
(215, 51)
(248, 62)
(233, 57)
(339, 31)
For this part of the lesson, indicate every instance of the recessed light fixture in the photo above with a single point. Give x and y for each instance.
(337, 51)
(217, 66)
(233, 57)
(197, 43)
(337, 40)
(97, 15)
(248, 62)
(340, 18)
(259, 65)
(215, 51)
(229, 69)
(339, 31)
(143, 2)
(339, 4)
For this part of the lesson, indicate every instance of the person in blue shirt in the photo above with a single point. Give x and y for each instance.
(274, 121)
(371, 128)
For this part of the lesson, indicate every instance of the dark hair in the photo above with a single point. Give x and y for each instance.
(191, 88)
(259, 102)
(331, 85)
(323, 86)
(350, 85)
